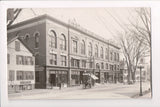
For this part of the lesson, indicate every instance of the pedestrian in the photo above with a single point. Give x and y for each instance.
(60, 85)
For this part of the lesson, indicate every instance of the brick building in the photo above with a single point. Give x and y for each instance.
(64, 52)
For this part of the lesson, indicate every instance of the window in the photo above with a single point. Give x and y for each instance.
(111, 56)
(117, 67)
(8, 58)
(62, 42)
(19, 60)
(101, 52)
(53, 59)
(74, 62)
(74, 46)
(106, 54)
(24, 60)
(27, 36)
(118, 57)
(115, 58)
(36, 40)
(19, 75)
(17, 45)
(96, 51)
(111, 67)
(90, 49)
(11, 75)
(37, 79)
(63, 60)
(83, 63)
(83, 47)
(102, 65)
(53, 39)
(106, 65)
(25, 75)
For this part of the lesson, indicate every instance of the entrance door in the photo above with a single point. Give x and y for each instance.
(53, 79)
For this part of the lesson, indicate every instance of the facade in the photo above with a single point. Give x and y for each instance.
(21, 67)
(64, 52)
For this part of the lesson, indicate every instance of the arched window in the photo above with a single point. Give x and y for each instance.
(90, 49)
(96, 51)
(83, 47)
(97, 66)
(101, 52)
(62, 42)
(36, 39)
(53, 39)
(27, 36)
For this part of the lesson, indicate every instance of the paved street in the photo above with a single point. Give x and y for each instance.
(99, 91)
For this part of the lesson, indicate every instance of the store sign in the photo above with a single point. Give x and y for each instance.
(25, 82)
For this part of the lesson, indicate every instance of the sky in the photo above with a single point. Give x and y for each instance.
(104, 22)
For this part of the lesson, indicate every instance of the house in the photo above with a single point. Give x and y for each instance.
(21, 65)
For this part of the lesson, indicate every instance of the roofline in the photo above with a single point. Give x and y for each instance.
(17, 37)
(45, 16)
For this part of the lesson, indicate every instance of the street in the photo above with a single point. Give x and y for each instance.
(99, 91)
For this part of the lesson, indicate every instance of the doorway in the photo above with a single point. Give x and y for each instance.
(53, 79)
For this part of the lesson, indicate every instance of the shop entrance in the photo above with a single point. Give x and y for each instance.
(53, 79)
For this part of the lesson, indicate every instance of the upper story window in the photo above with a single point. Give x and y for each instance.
(115, 56)
(53, 39)
(11, 75)
(106, 65)
(106, 53)
(83, 47)
(63, 60)
(75, 62)
(96, 51)
(111, 55)
(102, 65)
(17, 45)
(83, 63)
(62, 42)
(27, 36)
(24, 60)
(74, 46)
(101, 52)
(8, 58)
(53, 59)
(36, 39)
(90, 49)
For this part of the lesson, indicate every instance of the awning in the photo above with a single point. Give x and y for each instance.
(91, 75)
(94, 77)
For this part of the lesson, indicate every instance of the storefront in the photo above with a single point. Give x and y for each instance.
(56, 78)
(75, 77)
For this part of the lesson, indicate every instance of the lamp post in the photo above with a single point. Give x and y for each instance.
(140, 67)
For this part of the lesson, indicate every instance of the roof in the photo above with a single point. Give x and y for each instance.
(14, 37)
(45, 16)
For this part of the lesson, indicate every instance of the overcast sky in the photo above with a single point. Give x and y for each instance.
(102, 21)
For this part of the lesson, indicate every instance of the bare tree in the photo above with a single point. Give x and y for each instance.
(132, 50)
(12, 14)
(142, 27)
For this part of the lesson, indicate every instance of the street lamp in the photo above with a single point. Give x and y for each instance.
(141, 67)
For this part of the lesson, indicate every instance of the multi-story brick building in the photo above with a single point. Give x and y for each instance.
(21, 66)
(64, 52)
